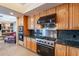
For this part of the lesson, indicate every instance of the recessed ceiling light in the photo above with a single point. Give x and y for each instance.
(1, 16)
(11, 13)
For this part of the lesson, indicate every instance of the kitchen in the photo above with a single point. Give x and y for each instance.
(48, 30)
(56, 36)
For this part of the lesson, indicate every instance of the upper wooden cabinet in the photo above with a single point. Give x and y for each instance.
(74, 16)
(62, 16)
(25, 24)
(43, 13)
(31, 22)
(51, 11)
(20, 21)
(37, 26)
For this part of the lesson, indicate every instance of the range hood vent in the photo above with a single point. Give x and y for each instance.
(47, 20)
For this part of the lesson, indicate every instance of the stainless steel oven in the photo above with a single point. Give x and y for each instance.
(21, 33)
(45, 47)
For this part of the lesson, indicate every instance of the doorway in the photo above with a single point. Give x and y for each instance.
(7, 28)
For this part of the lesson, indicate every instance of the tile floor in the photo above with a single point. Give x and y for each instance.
(14, 50)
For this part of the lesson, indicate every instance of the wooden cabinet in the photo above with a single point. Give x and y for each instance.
(31, 22)
(65, 50)
(43, 13)
(77, 50)
(60, 50)
(72, 51)
(62, 16)
(51, 11)
(74, 16)
(37, 26)
(28, 43)
(20, 21)
(25, 22)
(33, 45)
(25, 41)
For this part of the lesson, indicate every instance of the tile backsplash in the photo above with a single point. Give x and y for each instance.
(68, 34)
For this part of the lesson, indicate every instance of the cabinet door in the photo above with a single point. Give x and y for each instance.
(72, 51)
(33, 45)
(74, 16)
(60, 50)
(43, 13)
(77, 49)
(31, 22)
(25, 21)
(25, 41)
(62, 16)
(28, 43)
(51, 11)
(37, 26)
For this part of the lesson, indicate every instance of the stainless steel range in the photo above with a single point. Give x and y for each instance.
(46, 41)
(45, 47)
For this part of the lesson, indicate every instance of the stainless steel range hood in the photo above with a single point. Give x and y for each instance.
(47, 21)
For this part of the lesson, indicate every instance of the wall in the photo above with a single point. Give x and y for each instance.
(14, 27)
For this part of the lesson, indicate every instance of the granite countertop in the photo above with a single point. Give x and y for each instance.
(42, 37)
(30, 36)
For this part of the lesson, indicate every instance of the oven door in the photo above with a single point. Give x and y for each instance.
(21, 37)
(45, 50)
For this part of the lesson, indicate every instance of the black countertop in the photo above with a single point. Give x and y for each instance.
(73, 43)
(42, 37)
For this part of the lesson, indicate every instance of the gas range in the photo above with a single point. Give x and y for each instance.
(45, 47)
(46, 42)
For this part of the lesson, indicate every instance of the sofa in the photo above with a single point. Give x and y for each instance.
(10, 38)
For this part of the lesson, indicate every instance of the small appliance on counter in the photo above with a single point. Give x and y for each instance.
(21, 33)
(68, 37)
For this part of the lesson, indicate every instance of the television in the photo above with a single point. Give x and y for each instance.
(0, 26)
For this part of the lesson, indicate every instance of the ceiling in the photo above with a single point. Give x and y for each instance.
(41, 8)
(19, 9)
(24, 8)
(7, 18)
(7, 11)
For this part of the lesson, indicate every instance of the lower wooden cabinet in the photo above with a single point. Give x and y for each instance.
(28, 43)
(25, 41)
(33, 45)
(77, 50)
(63, 50)
(72, 51)
(60, 50)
